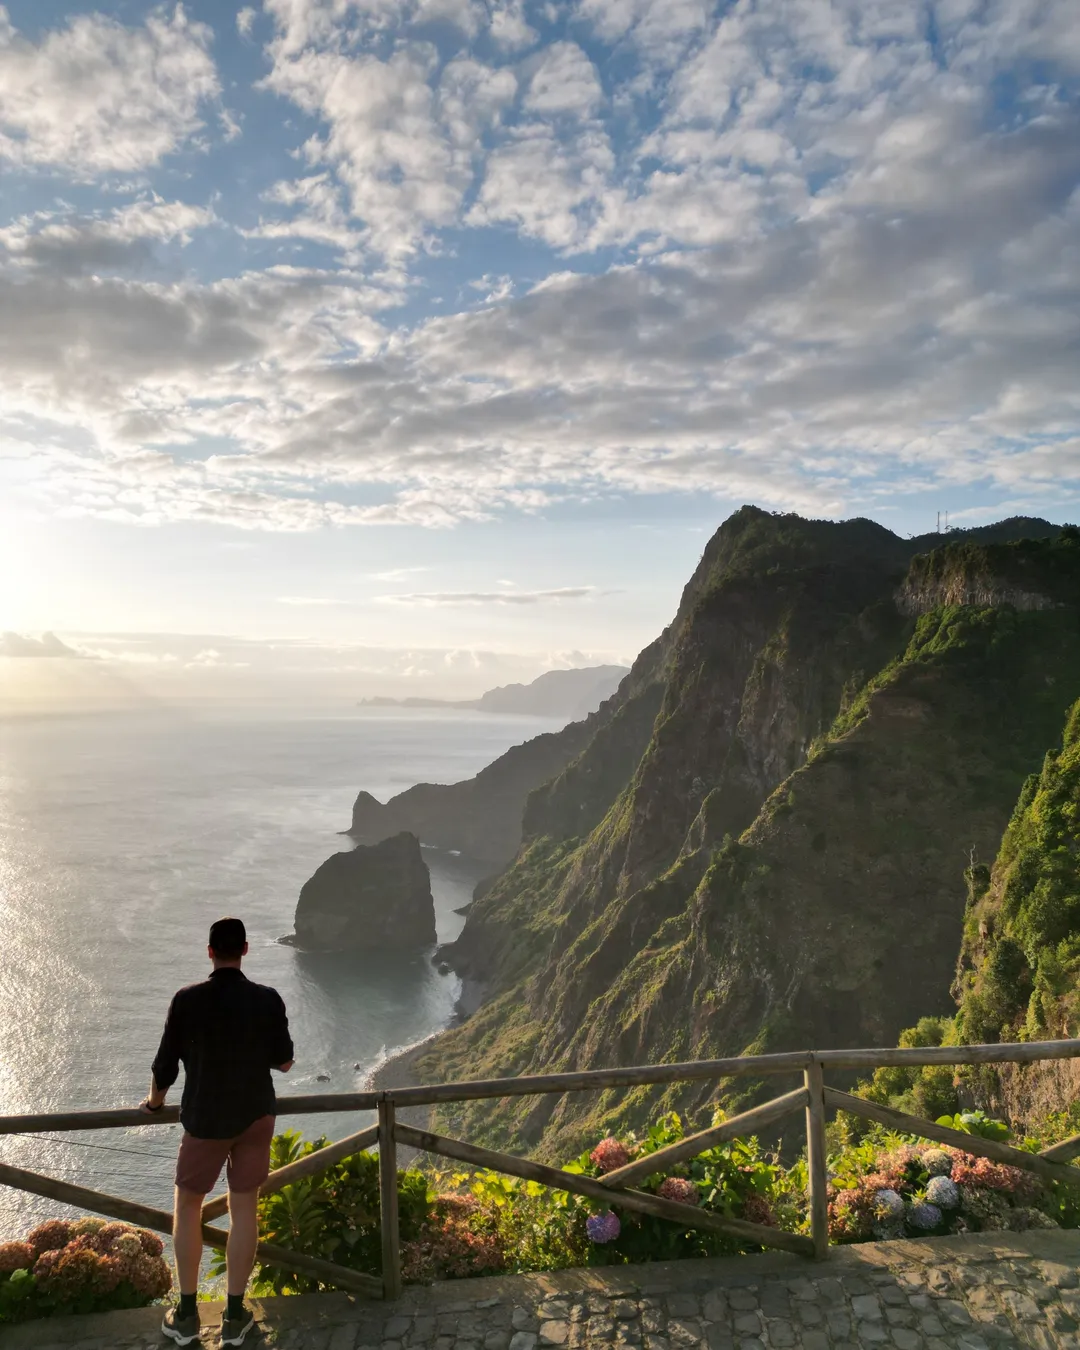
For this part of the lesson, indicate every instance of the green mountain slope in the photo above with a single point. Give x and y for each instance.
(784, 864)
(1020, 968)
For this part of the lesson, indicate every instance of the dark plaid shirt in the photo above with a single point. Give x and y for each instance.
(228, 1031)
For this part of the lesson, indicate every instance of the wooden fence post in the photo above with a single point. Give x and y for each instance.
(388, 1201)
(817, 1178)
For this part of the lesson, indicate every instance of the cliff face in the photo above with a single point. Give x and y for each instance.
(369, 899)
(1019, 976)
(783, 866)
(482, 816)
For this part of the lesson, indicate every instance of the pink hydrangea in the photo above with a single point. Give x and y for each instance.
(756, 1209)
(50, 1235)
(152, 1245)
(16, 1256)
(679, 1189)
(609, 1154)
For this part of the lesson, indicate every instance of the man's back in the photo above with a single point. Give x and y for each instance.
(229, 1032)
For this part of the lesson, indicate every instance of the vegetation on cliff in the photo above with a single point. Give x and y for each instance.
(1021, 957)
(784, 863)
(1019, 971)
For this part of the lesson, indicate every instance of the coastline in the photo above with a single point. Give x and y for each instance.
(398, 1071)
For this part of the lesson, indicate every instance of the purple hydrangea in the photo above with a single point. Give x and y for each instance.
(943, 1192)
(603, 1227)
(924, 1216)
(887, 1204)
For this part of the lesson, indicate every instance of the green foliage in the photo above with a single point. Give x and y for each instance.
(1021, 954)
(977, 1122)
(927, 1092)
(334, 1215)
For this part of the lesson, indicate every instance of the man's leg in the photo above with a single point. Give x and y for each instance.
(181, 1322)
(243, 1239)
(187, 1239)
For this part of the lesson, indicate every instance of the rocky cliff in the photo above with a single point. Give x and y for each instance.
(783, 863)
(1019, 976)
(482, 816)
(376, 899)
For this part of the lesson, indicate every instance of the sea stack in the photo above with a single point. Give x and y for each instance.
(375, 898)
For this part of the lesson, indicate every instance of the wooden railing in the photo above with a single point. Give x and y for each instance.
(616, 1188)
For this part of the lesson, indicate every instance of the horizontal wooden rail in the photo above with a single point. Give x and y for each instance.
(309, 1166)
(766, 1114)
(942, 1134)
(586, 1080)
(312, 1104)
(686, 1215)
(131, 1211)
(616, 1187)
(1063, 1152)
(1012, 1052)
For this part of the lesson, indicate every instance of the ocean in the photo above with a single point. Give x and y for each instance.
(122, 836)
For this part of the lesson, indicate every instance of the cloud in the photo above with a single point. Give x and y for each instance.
(397, 573)
(403, 149)
(432, 598)
(564, 81)
(63, 243)
(303, 601)
(245, 20)
(827, 251)
(95, 96)
(48, 645)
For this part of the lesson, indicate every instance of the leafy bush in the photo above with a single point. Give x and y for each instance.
(334, 1215)
(84, 1266)
(888, 1187)
(458, 1224)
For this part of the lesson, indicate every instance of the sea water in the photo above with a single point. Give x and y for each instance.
(123, 836)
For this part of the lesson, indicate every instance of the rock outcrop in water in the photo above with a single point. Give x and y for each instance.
(373, 899)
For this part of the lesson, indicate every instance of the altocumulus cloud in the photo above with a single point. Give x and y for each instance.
(802, 253)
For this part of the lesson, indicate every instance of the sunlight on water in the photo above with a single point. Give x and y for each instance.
(123, 837)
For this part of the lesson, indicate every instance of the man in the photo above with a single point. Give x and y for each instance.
(229, 1033)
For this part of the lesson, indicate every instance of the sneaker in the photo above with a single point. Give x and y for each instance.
(182, 1330)
(234, 1329)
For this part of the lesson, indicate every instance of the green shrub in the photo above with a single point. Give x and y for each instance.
(334, 1215)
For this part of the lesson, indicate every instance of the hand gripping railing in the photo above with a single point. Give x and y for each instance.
(617, 1187)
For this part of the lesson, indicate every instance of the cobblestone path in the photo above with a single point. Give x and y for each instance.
(971, 1293)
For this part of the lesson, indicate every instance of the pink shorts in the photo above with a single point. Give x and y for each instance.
(199, 1162)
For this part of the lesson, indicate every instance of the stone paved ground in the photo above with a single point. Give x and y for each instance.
(983, 1292)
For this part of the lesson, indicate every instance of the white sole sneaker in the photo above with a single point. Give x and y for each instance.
(233, 1331)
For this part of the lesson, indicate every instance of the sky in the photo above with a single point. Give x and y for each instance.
(424, 343)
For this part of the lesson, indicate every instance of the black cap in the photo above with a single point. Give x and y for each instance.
(227, 938)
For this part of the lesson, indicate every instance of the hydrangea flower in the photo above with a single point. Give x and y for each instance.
(609, 1154)
(152, 1245)
(16, 1256)
(887, 1204)
(924, 1217)
(756, 1209)
(603, 1227)
(937, 1162)
(678, 1188)
(943, 1192)
(50, 1235)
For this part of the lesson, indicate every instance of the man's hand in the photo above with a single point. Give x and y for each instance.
(284, 1068)
(154, 1100)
